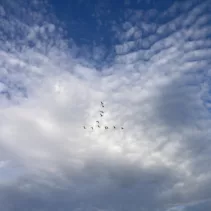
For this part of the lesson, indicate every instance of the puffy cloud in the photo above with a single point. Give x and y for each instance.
(158, 89)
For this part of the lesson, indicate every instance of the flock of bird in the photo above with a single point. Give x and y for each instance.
(98, 122)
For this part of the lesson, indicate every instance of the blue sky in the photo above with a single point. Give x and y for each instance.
(90, 23)
(149, 62)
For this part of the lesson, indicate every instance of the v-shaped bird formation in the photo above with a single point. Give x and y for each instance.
(98, 124)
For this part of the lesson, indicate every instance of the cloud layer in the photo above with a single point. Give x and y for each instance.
(158, 89)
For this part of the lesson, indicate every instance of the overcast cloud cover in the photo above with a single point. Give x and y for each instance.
(156, 85)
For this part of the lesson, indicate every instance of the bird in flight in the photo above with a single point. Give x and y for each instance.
(98, 122)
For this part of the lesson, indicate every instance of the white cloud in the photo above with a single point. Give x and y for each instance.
(2, 11)
(159, 93)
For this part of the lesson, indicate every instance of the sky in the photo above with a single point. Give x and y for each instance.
(149, 62)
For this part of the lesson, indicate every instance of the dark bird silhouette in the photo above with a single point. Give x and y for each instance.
(106, 127)
(99, 126)
(114, 127)
(97, 121)
(122, 128)
(92, 128)
(102, 111)
(84, 127)
(101, 115)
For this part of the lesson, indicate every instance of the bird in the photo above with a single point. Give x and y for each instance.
(106, 127)
(99, 126)
(122, 128)
(114, 127)
(84, 127)
(97, 121)
(101, 115)
(92, 128)
(102, 111)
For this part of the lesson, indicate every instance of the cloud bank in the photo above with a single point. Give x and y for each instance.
(157, 88)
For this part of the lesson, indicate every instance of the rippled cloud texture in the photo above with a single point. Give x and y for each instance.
(157, 87)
